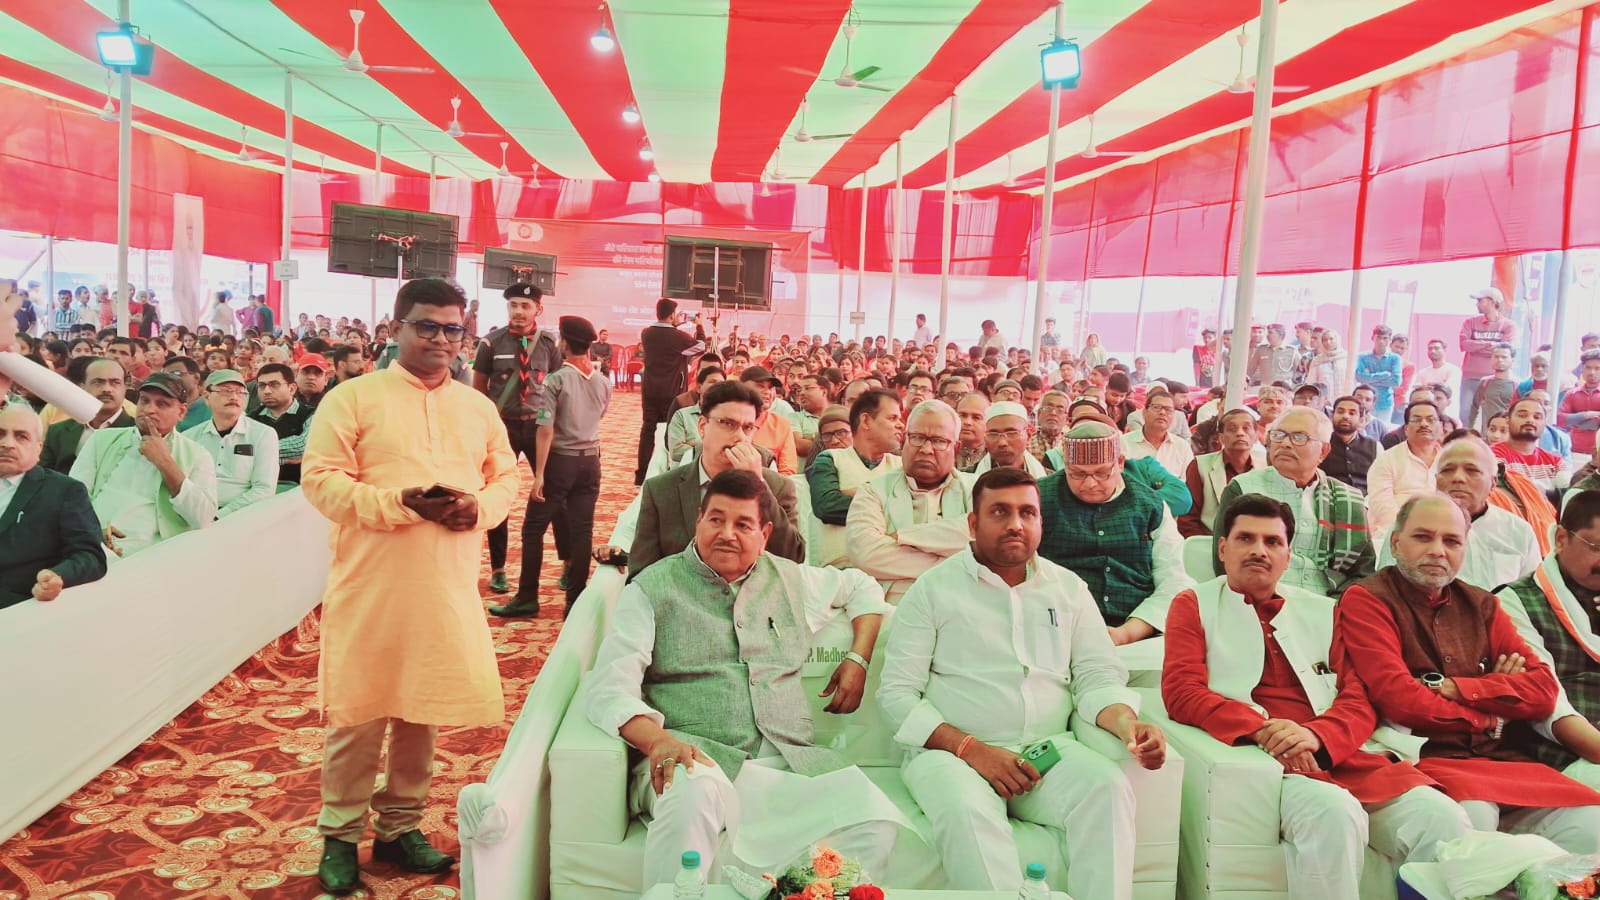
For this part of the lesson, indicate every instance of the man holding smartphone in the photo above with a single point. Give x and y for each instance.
(992, 650)
(411, 467)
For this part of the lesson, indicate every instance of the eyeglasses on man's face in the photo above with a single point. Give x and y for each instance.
(937, 442)
(836, 436)
(1297, 438)
(727, 424)
(428, 330)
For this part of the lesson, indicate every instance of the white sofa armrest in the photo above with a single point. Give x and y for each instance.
(588, 780)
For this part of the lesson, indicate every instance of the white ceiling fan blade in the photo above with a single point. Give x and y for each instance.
(404, 70)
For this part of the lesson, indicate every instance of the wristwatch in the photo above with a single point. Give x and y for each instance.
(1433, 681)
(856, 658)
(1499, 729)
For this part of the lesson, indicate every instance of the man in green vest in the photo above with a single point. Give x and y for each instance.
(700, 672)
(1114, 533)
(1557, 612)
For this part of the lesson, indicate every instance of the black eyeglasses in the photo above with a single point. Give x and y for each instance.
(428, 330)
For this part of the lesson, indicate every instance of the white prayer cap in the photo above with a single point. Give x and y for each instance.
(1006, 408)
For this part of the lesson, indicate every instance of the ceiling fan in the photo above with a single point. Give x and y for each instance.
(323, 177)
(1091, 151)
(1245, 83)
(455, 130)
(802, 136)
(505, 173)
(846, 78)
(245, 154)
(353, 62)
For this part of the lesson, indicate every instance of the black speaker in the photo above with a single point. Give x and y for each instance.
(374, 240)
(503, 268)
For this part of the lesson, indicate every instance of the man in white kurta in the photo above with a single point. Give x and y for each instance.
(1155, 436)
(410, 467)
(991, 652)
(908, 519)
(1501, 548)
(149, 483)
(1404, 470)
(700, 673)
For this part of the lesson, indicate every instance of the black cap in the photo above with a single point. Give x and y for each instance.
(577, 329)
(759, 374)
(166, 383)
(524, 292)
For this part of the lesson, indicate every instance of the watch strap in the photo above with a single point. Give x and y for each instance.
(856, 658)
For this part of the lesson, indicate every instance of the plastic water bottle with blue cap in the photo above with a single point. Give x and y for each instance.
(1033, 886)
(690, 883)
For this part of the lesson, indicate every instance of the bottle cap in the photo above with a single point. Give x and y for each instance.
(691, 860)
(1035, 871)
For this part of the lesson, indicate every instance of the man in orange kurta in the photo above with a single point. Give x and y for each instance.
(411, 467)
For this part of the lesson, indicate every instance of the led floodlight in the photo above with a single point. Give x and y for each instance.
(125, 49)
(1061, 64)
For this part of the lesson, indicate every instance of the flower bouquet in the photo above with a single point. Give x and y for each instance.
(828, 876)
(1575, 877)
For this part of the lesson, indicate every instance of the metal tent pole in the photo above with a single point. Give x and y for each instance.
(946, 238)
(1254, 200)
(377, 190)
(1041, 302)
(894, 248)
(1564, 287)
(285, 318)
(861, 254)
(1352, 336)
(121, 321)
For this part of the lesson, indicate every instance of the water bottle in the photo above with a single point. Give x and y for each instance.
(690, 884)
(1033, 886)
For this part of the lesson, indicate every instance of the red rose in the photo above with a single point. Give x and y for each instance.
(866, 892)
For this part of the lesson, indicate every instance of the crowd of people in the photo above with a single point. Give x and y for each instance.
(1402, 615)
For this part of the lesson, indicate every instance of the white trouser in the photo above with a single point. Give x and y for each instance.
(1576, 829)
(694, 812)
(1326, 832)
(1084, 795)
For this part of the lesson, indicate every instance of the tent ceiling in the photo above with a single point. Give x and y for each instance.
(720, 83)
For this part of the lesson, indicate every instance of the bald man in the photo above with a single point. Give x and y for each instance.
(49, 536)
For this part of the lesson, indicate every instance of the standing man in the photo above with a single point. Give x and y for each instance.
(566, 474)
(1380, 370)
(1274, 361)
(510, 369)
(409, 466)
(923, 336)
(992, 651)
(1495, 391)
(1480, 335)
(1579, 412)
(244, 451)
(666, 352)
(1439, 370)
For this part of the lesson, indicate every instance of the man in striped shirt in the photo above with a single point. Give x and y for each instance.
(1521, 451)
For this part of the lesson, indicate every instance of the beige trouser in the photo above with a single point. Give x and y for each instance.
(350, 773)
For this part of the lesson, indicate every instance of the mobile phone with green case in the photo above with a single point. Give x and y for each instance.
(1042, 756)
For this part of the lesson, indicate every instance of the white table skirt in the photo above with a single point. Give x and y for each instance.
(723, 892)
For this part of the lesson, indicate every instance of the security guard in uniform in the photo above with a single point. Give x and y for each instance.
(510, 369)
(566, 465)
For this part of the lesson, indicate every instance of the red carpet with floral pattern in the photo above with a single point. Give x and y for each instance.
(222, 801)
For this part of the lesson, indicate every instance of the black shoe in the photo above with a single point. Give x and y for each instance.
(499, 583)
(516, 610)
(412, 852)
(340, 870)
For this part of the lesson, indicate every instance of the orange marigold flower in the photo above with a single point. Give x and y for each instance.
(826, 863)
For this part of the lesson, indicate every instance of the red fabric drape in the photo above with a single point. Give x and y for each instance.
(58, 176)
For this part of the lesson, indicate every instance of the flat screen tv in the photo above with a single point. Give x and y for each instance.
(728, 274)
(375, 241)
(503, 268)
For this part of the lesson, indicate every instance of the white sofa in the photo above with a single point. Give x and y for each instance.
(96, 671)
(1230, 847)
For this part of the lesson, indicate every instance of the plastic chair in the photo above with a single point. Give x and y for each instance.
(1197, 558)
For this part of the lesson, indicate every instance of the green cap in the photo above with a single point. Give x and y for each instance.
(224, 376)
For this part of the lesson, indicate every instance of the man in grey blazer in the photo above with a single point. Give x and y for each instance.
(670, 502)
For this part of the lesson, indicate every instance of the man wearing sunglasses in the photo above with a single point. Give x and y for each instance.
(1330, 547)
(410, 467)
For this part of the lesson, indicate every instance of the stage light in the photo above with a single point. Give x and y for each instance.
(1061, 64)
(653, 177)
(602, 41)
(646, 154)
(630, 114)
(125, 49)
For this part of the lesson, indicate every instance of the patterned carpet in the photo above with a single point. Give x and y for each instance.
(223, 800)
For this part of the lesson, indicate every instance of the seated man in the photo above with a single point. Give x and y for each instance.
(836, 475)
(1145, 470)
(665, 522)
(683, 431)
(244, 451)
(1330, 547)
(1006, 438)
(1350, 453)
(1244, 658)
(1052, 422)
(973, 411)
(189, 370)
(1114, 534)
(107, 381)
(1501, 548)
(1441, 658)
(1406, 469)
(811, 401)
(290, 419)
(1155, 437)
(60, 544)
(773, 431)
(1556, 612)
(671, 680)
(991, 652)
(149, 483)
(1210, 474)
(906, 520)
(1550, 472)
